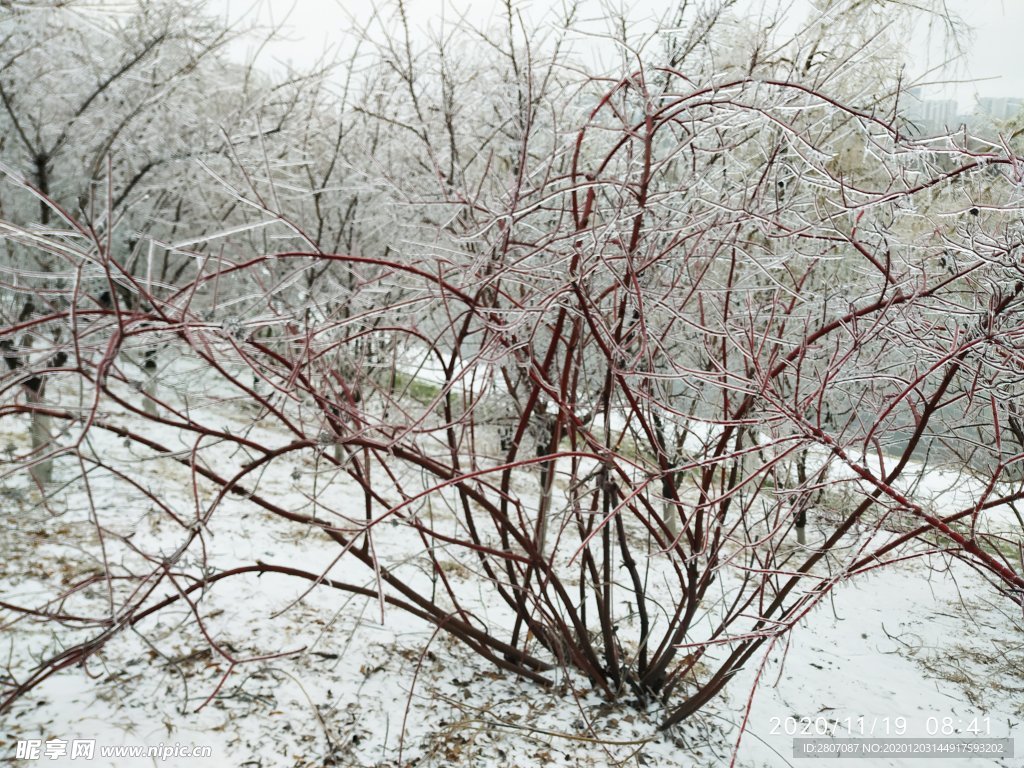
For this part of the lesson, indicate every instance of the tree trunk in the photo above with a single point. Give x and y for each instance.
(41, 427)
(801, 515)
(42, 435)
(149, 387)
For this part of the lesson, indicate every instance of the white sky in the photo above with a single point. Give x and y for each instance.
(993, 55)
(992, 59)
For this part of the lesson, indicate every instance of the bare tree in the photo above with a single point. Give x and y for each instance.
(600, 343)
(121, 119)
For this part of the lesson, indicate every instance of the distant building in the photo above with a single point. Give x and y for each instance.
(932, 115)
(941, 113)
(999, 108)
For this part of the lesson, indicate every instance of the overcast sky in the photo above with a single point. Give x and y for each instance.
(992, 60)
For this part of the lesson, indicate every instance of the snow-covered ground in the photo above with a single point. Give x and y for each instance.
(353, 685)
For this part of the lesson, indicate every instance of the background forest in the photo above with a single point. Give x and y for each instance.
(593, 383)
